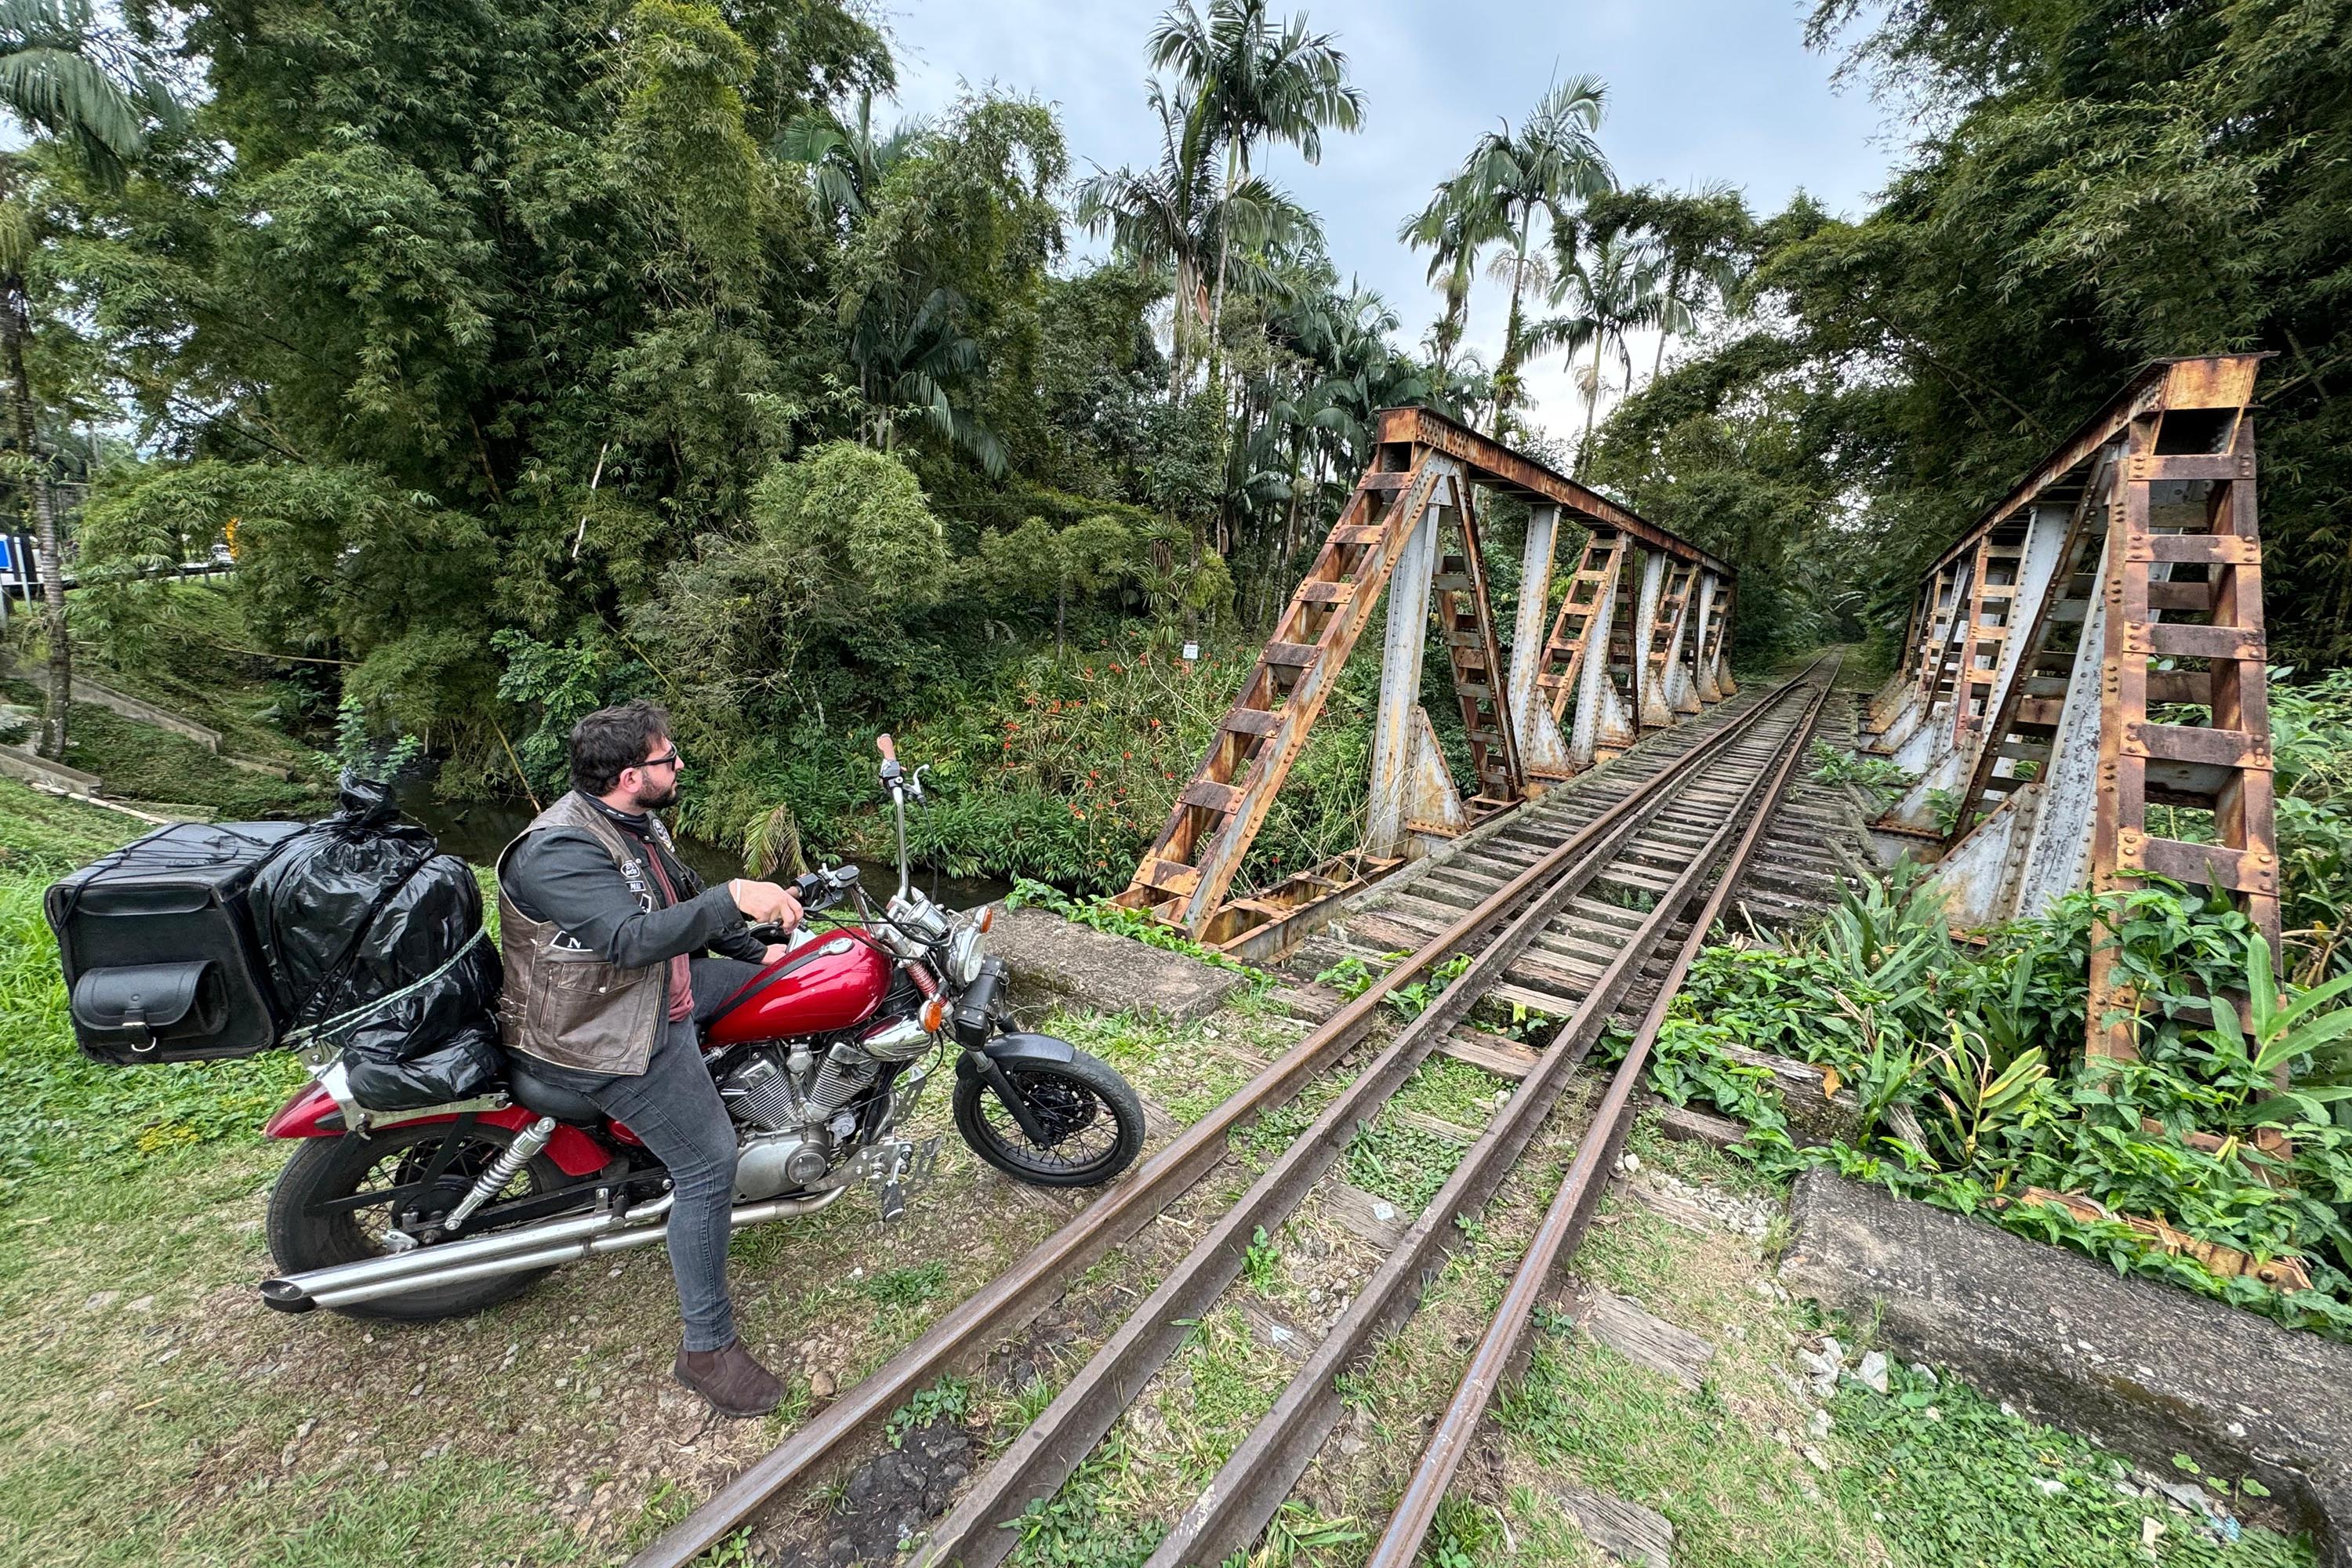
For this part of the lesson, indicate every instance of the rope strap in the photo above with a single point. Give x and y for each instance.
(298, 1038)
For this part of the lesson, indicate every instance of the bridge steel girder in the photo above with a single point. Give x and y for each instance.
(2147, 520)
(1391, 537)
(1543, 752)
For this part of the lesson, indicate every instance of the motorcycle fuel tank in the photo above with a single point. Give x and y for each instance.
(828, 983)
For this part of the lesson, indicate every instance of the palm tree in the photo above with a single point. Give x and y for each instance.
(1610, 289)
(1453, 235)
(1171, 219)
(1549, 165)
(913, 356)
(1248, 81)
(846, 160)
(90, 92)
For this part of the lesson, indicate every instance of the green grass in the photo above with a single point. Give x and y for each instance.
(47, 833)
(1402, 1163)
(1452, 1091)
(1953, 1479)
(1734, 1495)
(135, 761)
(64, 1112)
(908, 1287)
(1083, 1525)
(185, 660)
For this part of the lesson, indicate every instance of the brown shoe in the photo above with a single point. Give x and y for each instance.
(734, 1383)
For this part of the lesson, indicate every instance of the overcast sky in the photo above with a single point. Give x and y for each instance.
(1699, 89)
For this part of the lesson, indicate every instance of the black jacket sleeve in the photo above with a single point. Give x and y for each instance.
(737, 944)
(566, 877)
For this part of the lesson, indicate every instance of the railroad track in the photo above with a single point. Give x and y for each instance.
(1612, 897)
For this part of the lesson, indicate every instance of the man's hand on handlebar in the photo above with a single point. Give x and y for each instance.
(765, 903)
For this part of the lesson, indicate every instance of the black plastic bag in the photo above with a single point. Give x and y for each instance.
(360, 905)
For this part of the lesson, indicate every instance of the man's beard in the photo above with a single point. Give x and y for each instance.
(650, 798)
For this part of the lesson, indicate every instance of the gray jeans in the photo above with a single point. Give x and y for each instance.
(675, 1108)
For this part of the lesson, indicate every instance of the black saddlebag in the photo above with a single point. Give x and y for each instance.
(158, 945)
(373, 938)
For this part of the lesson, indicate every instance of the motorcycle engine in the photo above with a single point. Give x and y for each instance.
(790, 1132)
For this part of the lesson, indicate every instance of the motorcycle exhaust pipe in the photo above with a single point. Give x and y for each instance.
(543, 1246)
(294, 1292)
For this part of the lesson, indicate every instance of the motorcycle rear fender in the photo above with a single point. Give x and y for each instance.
(1019, 1051)
(313, 1113)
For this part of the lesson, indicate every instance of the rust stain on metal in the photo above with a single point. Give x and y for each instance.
(1424, 472)
(2161, 566)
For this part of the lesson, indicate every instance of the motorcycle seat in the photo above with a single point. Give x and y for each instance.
(542, 1098)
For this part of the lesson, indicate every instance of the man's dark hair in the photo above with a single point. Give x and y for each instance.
(613, 739)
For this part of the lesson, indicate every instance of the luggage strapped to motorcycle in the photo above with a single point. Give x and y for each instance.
(301, 1039)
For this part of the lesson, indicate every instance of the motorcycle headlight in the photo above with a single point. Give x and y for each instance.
(965, 955)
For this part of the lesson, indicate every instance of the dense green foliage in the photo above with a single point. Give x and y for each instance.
(1971, 1082)
(1951, 1477)
(2094, 184)
(2311, 747)
(533, 354)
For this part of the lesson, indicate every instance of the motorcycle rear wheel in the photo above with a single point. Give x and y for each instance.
(324, 1170)
(1097, 1119)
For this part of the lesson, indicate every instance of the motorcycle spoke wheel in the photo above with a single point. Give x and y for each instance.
(338, 1197)
(397, 1183)
(1077, 1130)
(1091, 1121)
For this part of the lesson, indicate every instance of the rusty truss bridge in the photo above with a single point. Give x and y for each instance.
(2091, 649)
(1637, 643)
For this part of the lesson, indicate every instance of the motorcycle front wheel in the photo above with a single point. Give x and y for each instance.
(333, 1202)
(1092, 1119)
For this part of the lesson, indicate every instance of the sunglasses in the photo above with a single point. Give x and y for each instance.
(672, 761)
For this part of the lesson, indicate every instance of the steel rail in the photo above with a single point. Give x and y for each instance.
(1059, 1439)
(999, 1308)
(1263, 1469)
(1501, 1351)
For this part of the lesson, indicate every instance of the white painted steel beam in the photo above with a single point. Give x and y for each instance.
(2058, 855)
(1541, 751)
(1398, 763)
(1912, 737)
(1649, 700)
(1703, 649)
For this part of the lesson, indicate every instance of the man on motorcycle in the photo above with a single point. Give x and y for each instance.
(599, 918)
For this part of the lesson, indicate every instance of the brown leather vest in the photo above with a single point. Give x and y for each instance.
(563, 1003)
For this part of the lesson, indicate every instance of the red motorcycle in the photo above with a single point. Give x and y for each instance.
(820, 1058)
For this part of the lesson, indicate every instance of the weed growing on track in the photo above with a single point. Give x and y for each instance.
(1881, 782)
(1452, 1091)
(1399, 1162)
